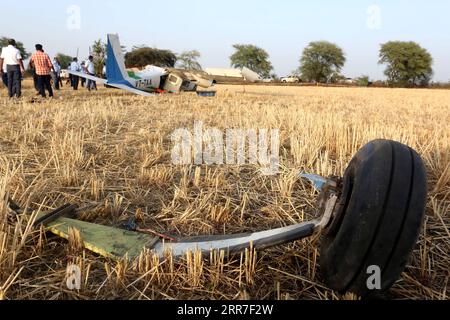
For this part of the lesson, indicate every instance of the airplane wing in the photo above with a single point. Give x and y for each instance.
(129, 89)
(115, 85)
(87, 76)
(198, 77)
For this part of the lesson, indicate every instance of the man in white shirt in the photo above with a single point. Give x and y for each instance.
(90, 69)
(12, 58)
(75, 80)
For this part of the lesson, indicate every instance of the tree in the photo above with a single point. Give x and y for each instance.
(337, 77)
(143, 56)
(408, 64)
(64, 60)
(19, 45)
(99, 53)
(363, 81)
(189, 60)
(252, 57)
(320, 61)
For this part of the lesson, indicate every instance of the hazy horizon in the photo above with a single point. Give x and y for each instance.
(282, 29)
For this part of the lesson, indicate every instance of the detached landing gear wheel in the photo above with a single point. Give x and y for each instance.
(378, 218)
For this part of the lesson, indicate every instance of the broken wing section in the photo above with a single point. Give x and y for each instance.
(250, 75)
(232, 244)
(87, 76)
(117, 243)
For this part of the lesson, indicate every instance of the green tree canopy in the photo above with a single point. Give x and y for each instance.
(363, 81)
(189, 60)
(320, 61)
(143, 56)
(98, 51)
(20, 46)
(64, 60)
(407, 63)
(252, 57)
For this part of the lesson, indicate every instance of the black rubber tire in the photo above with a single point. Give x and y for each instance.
(379, 218)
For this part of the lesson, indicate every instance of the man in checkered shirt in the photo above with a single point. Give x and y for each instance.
(44, 67)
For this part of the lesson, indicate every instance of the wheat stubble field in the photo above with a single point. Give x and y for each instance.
(112, 151)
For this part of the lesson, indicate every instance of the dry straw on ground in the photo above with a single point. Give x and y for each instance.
(112, 150)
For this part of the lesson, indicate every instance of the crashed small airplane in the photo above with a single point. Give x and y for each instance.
(145, 82)
(152, 79)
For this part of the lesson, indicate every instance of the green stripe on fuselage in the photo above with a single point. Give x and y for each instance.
(133, 75)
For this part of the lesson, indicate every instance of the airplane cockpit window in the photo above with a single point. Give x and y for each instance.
(173, 79)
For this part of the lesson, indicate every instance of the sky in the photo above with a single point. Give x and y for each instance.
(282, 28)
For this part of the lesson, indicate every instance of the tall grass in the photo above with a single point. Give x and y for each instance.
(111, 151)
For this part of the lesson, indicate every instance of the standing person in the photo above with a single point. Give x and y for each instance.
(5, 76)
(75, 80)
(14, 67)
(83, 69)
(90, 70)
(44, 67)
(35, 79)
(56, 75)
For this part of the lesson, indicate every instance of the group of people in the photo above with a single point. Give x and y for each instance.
(88, 68)
(45, 71)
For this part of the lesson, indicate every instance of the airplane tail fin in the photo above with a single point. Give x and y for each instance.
(115, 62)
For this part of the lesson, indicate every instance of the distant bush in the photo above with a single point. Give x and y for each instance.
(363, 81)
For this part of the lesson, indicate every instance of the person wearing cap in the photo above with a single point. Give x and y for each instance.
(15, 69)
(44, 67)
